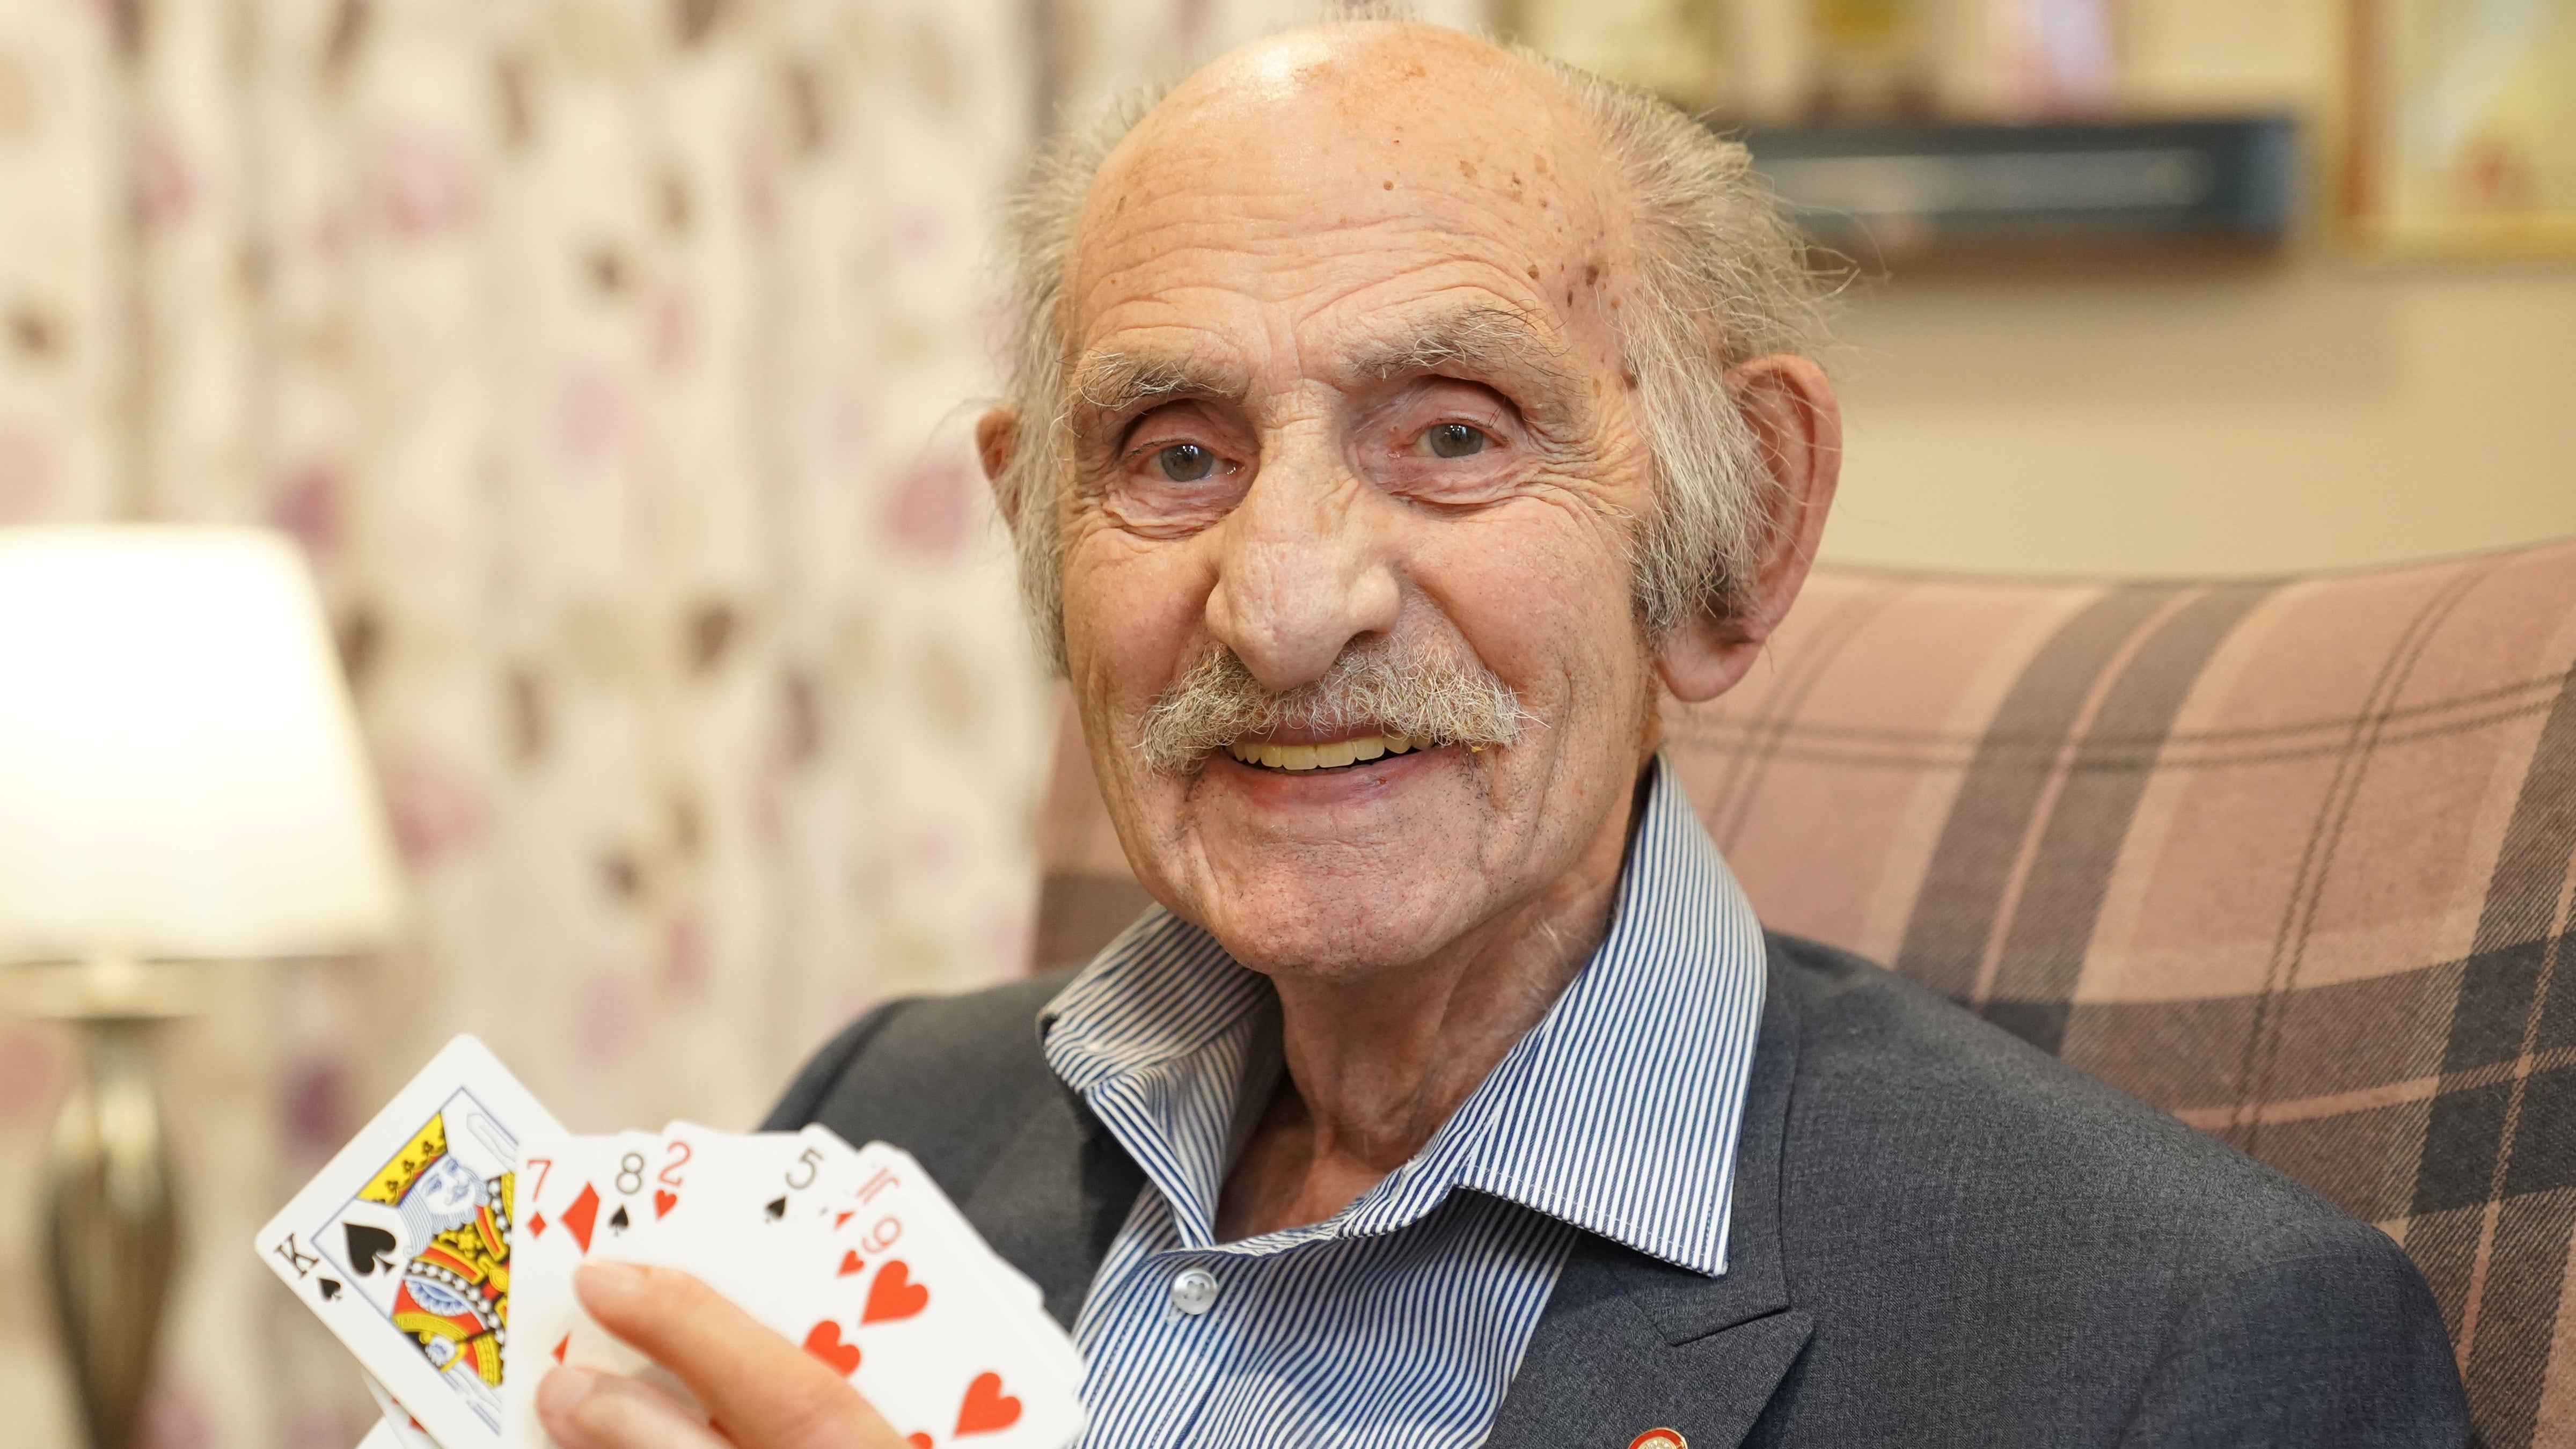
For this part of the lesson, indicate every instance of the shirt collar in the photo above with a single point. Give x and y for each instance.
(1617, 1113)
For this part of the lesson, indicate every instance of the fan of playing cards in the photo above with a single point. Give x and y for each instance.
(440, 1246)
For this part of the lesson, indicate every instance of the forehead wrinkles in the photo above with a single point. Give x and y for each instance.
(1420, 307)
(1269, 255)
(1275, 240)
(1498, 156)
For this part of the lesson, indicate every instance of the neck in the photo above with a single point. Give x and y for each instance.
(1376, 1064)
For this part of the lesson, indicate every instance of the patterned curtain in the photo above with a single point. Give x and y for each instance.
(614, 361)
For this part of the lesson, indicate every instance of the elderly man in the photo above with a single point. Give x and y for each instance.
(1399, 417)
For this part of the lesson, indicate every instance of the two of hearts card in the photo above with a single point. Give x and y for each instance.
(440, 1247)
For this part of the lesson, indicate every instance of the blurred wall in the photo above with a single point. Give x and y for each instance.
(2327, 413)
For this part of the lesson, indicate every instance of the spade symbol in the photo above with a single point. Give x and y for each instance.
(330, 1289)
(618, 1220)
(370, 1248)
(777, 1209)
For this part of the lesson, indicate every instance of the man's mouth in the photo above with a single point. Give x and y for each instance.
(1331, 755)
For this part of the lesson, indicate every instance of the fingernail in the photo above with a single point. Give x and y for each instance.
(562, 1391)
(614, 1282)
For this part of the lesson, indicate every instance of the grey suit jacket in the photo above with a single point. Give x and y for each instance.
(1941, 1236)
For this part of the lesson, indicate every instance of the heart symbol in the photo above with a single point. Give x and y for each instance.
(851, 1262)
(917, 1441)
(986, 1408)
(894, 1295)
(823, 1341)
(663, 1201)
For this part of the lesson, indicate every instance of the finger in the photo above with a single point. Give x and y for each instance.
(766, 1392)
(586, 1410)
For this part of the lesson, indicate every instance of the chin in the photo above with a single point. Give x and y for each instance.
(1289, 928)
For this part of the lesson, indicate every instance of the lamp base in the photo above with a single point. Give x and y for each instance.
(111, 1227)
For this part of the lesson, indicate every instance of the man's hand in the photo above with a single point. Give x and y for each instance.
(764, 1392)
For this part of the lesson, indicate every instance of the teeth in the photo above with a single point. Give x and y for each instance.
(1324, 756)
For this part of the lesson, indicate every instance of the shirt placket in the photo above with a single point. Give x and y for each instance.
(1184, 1308)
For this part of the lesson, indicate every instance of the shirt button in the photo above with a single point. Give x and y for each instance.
(1194, 1291)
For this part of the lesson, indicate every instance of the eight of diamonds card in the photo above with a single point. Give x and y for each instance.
(402, 1244)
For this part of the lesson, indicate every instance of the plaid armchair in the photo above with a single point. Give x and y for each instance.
(2289, 858)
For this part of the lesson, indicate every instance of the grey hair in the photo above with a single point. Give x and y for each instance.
(1038, 228)
(1723, 278)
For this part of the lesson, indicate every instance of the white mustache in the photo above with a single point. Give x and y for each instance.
(1379, 687)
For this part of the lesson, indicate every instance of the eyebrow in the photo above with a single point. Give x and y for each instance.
(1112, 383)
(1480, 342)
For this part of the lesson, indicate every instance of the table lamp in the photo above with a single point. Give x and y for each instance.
(181, 780)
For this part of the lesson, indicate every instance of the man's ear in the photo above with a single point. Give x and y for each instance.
(1798, 429)
(997, 434)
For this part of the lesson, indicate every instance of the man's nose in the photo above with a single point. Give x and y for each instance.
(1304, 571)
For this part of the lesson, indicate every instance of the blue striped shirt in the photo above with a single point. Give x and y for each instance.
(1399, 1320)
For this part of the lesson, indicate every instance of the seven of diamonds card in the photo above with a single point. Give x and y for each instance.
(401, 1246)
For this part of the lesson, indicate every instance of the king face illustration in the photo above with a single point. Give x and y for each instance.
(455, 1294)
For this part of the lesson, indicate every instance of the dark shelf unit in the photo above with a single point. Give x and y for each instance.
(2125, 194)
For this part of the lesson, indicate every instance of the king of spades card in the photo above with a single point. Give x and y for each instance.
(428, 1238)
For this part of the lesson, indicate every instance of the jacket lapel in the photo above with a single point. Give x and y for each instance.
(1054, 1198)
(1629, 1343)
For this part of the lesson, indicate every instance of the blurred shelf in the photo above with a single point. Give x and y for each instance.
(2085, 195)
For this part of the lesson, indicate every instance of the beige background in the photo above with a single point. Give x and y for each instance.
(2327, 413)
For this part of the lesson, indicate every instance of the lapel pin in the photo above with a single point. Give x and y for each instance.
(1659, 1439)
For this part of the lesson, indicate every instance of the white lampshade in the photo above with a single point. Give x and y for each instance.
(180, 770)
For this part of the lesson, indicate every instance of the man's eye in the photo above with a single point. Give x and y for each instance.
(1455, 440)
(1185, 462)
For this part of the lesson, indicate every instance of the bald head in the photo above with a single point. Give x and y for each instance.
(1390, 121)
(1369, 136)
